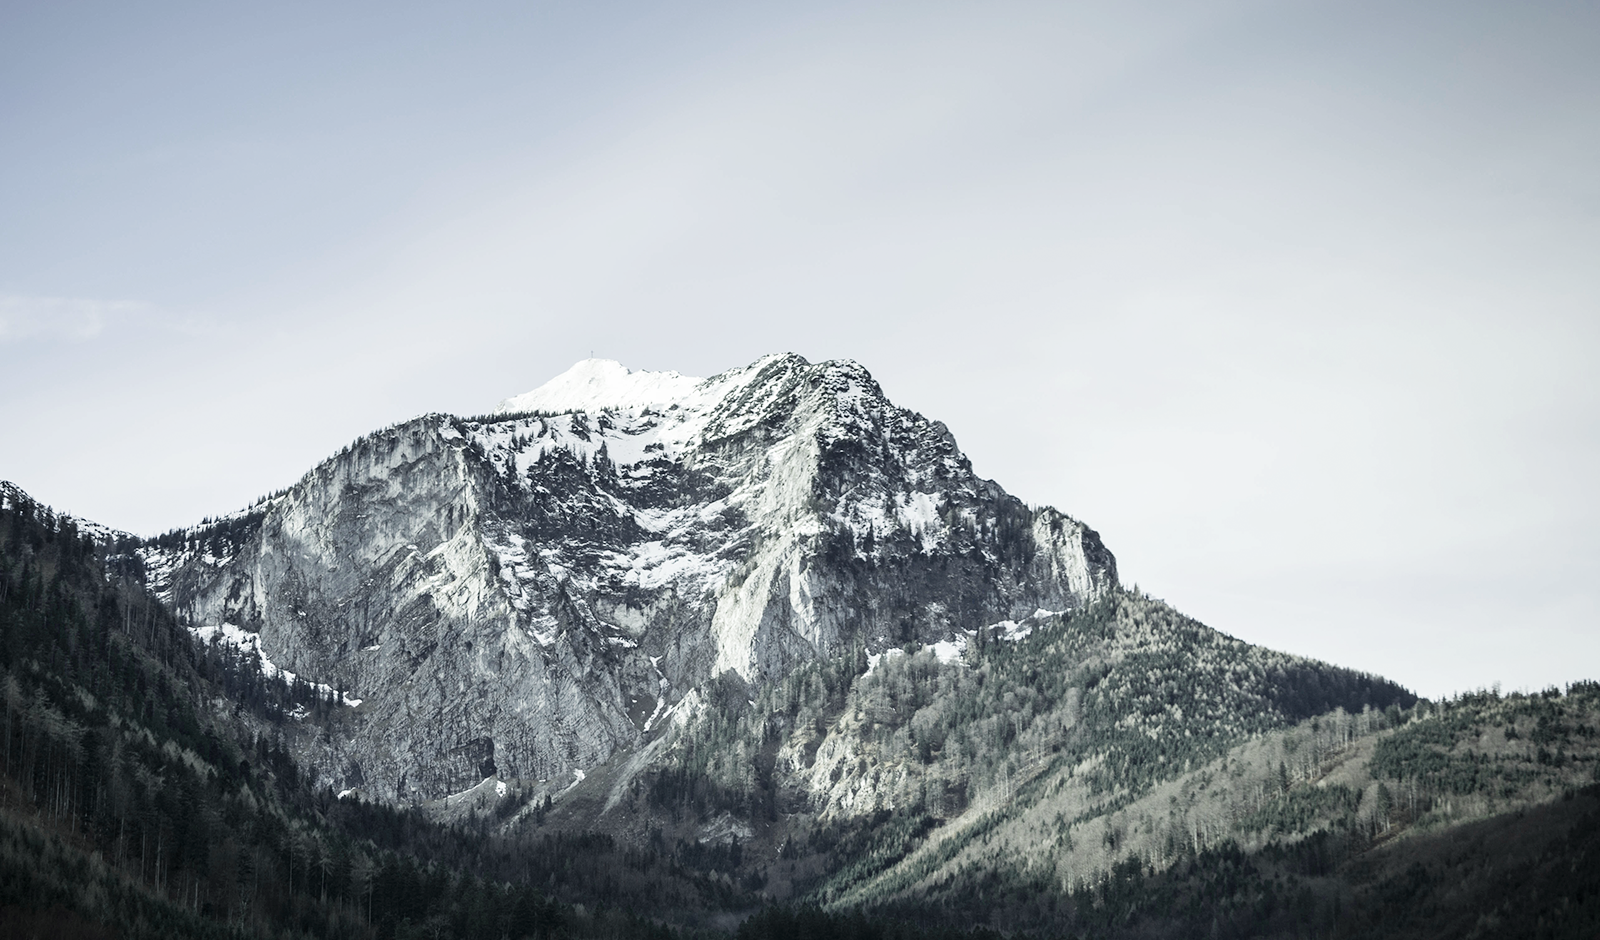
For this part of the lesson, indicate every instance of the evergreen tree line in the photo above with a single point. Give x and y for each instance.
(131, 807)
(218, 537)
(1126, 689)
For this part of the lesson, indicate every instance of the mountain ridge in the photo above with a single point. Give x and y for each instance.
(597, 565)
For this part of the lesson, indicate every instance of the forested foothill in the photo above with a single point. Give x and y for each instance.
(1121, 771)
(1125, 771)
(144, 792)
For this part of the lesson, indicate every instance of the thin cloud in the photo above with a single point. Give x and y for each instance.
(75, 319)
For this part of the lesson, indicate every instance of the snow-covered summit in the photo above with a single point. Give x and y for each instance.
(605, 384)
(596, 384)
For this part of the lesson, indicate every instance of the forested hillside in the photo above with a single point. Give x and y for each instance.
(1475, 817)
(871, 782)
(1118, 771)
(144, 792)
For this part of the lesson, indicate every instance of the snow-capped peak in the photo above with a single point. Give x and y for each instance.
(594, 384)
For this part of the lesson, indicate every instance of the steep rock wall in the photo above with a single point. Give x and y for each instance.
(527, 593)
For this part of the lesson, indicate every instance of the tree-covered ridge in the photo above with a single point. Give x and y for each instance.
(1043, 783)
(1426, 822)
(1483, 753)
(1302, 815)
(145, 792)
(106, 750)
(1345, 825)
(928, 758)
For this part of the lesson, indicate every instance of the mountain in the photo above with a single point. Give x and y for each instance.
(527, 593)
(639, 654)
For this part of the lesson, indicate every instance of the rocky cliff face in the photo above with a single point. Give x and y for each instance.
(527, 593)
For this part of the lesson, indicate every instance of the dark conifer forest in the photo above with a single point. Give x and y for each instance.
(145, 792)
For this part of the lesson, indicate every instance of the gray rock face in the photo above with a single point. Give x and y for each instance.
(527, 594)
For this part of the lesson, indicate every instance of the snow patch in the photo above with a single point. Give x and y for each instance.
(874, 658)
(1012, 631)
(918, 512)
(594, 384)
(244, 640)
(954, 649)
(950, 651)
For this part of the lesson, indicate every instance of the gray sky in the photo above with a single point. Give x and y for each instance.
(1297, 303)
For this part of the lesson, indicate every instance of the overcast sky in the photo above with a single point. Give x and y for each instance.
(1298, 304)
